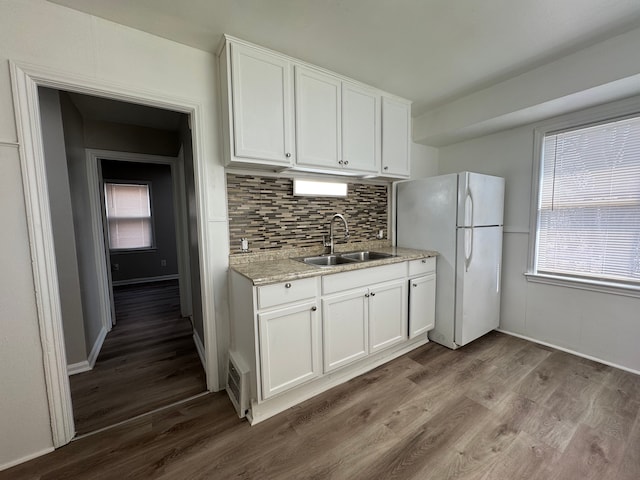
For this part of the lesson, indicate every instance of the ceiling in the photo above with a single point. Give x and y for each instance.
(429, 51)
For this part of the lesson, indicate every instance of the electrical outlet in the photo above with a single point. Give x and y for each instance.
(163, 263)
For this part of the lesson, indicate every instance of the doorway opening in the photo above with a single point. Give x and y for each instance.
(131, 312)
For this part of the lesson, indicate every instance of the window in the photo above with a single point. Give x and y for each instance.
(588, 209)
(128, 216)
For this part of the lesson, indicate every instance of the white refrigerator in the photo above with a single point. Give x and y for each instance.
(460, 216)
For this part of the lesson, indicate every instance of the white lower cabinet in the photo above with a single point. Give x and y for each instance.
(289, 347)
(344, 319)
(387, 315)
(363, 321)
(422, 304)
(304, 336)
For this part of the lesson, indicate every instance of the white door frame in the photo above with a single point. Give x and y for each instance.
(94, 177)
(25, 80)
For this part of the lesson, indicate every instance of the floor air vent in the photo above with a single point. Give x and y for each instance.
(237, 386)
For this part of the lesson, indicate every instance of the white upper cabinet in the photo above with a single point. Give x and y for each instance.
(360, 128)
(317, 118)
(396, 137)
(262, 105)
(281, 112)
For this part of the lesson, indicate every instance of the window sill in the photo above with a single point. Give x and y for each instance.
(584, 284)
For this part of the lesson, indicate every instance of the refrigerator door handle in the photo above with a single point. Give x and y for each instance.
(498, 277)
(468, 207)
(468, 247)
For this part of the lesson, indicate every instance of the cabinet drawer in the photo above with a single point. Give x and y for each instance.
(286, 292)
(422, 266)
(341, 282)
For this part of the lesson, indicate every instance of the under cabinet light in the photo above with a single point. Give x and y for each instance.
(318, 188)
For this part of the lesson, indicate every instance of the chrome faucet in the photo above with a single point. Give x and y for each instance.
(346, 231)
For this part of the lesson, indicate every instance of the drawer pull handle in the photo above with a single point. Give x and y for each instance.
(287, 285)
(313, 309)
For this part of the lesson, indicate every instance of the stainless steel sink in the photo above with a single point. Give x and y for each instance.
(366, 255)
(344, 258)
(327, 260)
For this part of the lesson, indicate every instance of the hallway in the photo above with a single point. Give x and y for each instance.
(149, 360)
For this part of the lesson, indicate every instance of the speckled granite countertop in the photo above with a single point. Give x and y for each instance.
(284, 269)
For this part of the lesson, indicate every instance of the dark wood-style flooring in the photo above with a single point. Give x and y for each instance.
(147, 361)
(500, 408)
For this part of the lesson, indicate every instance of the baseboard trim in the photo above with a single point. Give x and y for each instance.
(135, 281)
(13, 463)
(568, 350)
(200, 349)
(80, 367)
(97, 346)
(90, 362)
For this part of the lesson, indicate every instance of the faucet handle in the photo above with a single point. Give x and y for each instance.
(324, 241)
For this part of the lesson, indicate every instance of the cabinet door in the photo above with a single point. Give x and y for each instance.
(422, 305)
(396, 137)
(317, 119)
(387, 315)
(262, 106)
(344, 328)
(360, 129)
(289, 347)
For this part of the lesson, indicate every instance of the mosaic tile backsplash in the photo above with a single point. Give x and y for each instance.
(264, 210)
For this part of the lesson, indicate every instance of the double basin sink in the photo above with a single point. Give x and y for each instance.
(344, 258)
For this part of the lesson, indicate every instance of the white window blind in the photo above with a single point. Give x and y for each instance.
(589, 204)
(128, 216)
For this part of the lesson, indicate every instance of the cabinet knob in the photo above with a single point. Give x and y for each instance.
(288, 155)
(415, 284)
(424, 260)
(366, 295)
(373, 294)
(386, 168)
(340, 162)
(287, 285)
(313, 309)
(346, 162)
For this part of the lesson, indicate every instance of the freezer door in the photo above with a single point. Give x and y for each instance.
(478, 287)
(480, 200)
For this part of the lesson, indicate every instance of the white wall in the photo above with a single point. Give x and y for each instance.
(424, 161)
(603, 326)
(47, 35)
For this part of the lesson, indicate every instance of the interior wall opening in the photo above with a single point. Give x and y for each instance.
(132, 318)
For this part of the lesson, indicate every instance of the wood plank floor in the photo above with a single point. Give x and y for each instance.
(500, 408)
(147, 361)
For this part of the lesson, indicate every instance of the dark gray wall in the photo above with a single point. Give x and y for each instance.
(147, 264)
(194, 255)
(130, 138)
(62, 225)
(82, 223)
